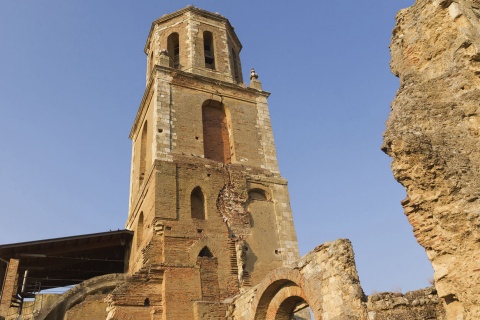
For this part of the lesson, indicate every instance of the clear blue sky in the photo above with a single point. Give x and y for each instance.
(72, 74)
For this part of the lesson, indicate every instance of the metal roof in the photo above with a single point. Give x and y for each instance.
(60, 262)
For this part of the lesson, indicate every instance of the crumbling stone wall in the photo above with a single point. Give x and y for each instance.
(432, 136)
(421, 304)
(326, 279)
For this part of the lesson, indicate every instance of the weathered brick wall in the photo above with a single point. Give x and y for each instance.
(93, 307)
(215, 132)
(208, 278)
(204, 310)
(10, 286)
(138, 297)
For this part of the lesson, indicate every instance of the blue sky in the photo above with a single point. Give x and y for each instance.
(72, 74)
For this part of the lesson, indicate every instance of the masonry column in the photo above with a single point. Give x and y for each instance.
(9, 286)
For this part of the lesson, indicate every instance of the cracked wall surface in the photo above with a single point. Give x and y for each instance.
(432, 136)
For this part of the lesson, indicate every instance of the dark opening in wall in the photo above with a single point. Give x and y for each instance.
(173, 48)
(258, 194)
(205, 252)
(197, 202)
(208, 50)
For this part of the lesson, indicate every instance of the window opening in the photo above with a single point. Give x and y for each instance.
(208, 50)
(205, 252)
(258, 194)
(173, 48)
(197, 202)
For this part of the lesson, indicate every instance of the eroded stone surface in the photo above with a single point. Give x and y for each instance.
(419, 304)
(433, 137)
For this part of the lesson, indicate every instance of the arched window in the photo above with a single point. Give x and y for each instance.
(173, 48)
(143, 153)
(197, 203)
(216, 141)
(205, 252)
(258, 194)
(208, 50)
(139, 231)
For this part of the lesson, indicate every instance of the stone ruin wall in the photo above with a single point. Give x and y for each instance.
(433, 136)
(327, 279)
(422, 304)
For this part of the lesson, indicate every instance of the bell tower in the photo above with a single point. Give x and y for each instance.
(200, 43)
(208, 206)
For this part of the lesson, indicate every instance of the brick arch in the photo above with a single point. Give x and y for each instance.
(282, 304)
(78, 293)
(259, 194)
(279, 292)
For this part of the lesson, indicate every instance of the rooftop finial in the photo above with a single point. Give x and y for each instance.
(253, 74)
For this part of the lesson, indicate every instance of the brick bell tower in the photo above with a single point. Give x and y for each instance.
(210, 211)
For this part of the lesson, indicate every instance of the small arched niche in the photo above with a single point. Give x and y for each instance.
(216, 137)
(197, 204)
(173, 48)
(258, 194)
(205, 253)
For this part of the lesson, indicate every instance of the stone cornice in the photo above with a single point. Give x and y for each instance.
(232, 86)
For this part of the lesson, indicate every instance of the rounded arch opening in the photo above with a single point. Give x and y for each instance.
(293, 308)
(258, 194)
(283, 299)
(173, 48)
(208, 50)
